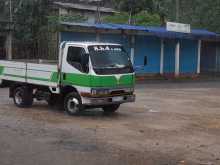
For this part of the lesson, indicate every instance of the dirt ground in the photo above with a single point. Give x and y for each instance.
(170, 124)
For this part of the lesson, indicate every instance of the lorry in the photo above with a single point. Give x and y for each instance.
(86, 75)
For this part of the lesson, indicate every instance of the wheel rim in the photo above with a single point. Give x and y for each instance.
(18, 97)
(73, 105)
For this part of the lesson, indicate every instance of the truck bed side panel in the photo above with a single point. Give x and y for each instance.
(14, 71)
(39, 74)
(42, 74)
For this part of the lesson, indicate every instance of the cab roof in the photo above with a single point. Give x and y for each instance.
(90, 43)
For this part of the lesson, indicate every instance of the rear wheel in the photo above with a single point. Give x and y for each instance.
(73, 103)
(3, 83)
(111, 108)
(23, 97)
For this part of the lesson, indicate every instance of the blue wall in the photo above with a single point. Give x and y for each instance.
(115, 38)
(188, 56)
(169, 56)
(150, 47)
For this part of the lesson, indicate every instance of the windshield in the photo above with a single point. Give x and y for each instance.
(110, 59)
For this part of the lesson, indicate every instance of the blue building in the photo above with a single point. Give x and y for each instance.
(153, 50)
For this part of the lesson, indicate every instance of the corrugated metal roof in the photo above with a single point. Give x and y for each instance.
(195, 33)
(127, 27)
(156, 31)
(84, 7)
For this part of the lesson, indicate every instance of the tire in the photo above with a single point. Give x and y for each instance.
(72, 104)
(3, 84)
(111, 108)
(23, 97)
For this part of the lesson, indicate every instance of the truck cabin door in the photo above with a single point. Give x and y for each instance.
(75, 64)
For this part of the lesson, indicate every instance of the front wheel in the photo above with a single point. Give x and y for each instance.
(111, 108)
(73, 104)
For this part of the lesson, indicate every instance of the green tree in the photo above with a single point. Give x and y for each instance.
(143, 18)
(134, 6)
(30, 18)
(198, 13)
(140, 12)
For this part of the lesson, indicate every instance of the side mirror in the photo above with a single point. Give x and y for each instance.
(85, 62)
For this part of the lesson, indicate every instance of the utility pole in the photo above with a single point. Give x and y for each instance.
(130, 17)
(177, 10)
(131, 6)
(9, 46)
(98, 11)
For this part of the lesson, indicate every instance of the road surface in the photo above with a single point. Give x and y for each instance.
(170, 124)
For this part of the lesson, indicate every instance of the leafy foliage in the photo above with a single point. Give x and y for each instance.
(201, 14)
(34, 20)
(120, 18)
(142, 18)
(53, 20)
(30, 18)
(147, 19)
(134, 6)
(198, 13)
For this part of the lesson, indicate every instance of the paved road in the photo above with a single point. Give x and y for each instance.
(170, 124)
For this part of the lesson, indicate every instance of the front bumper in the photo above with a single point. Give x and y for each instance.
(100, 101)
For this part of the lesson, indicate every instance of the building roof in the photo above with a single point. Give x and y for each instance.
(78, 6)
(160, 32)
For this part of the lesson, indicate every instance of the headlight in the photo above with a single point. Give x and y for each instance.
(100, 91)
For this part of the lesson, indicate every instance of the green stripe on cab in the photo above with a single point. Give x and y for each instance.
(1, 70)
(98, 81)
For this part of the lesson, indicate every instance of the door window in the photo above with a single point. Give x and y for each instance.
(75, 57)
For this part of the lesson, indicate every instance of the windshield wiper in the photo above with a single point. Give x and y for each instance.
(112, 66)
(117, 66)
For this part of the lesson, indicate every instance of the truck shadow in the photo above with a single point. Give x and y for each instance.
(41, 111)
(97, 113)
(87, 113)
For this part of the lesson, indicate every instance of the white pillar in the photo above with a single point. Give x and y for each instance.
(162, 57)
(177, 59)
(132, 49)
(199, 56)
